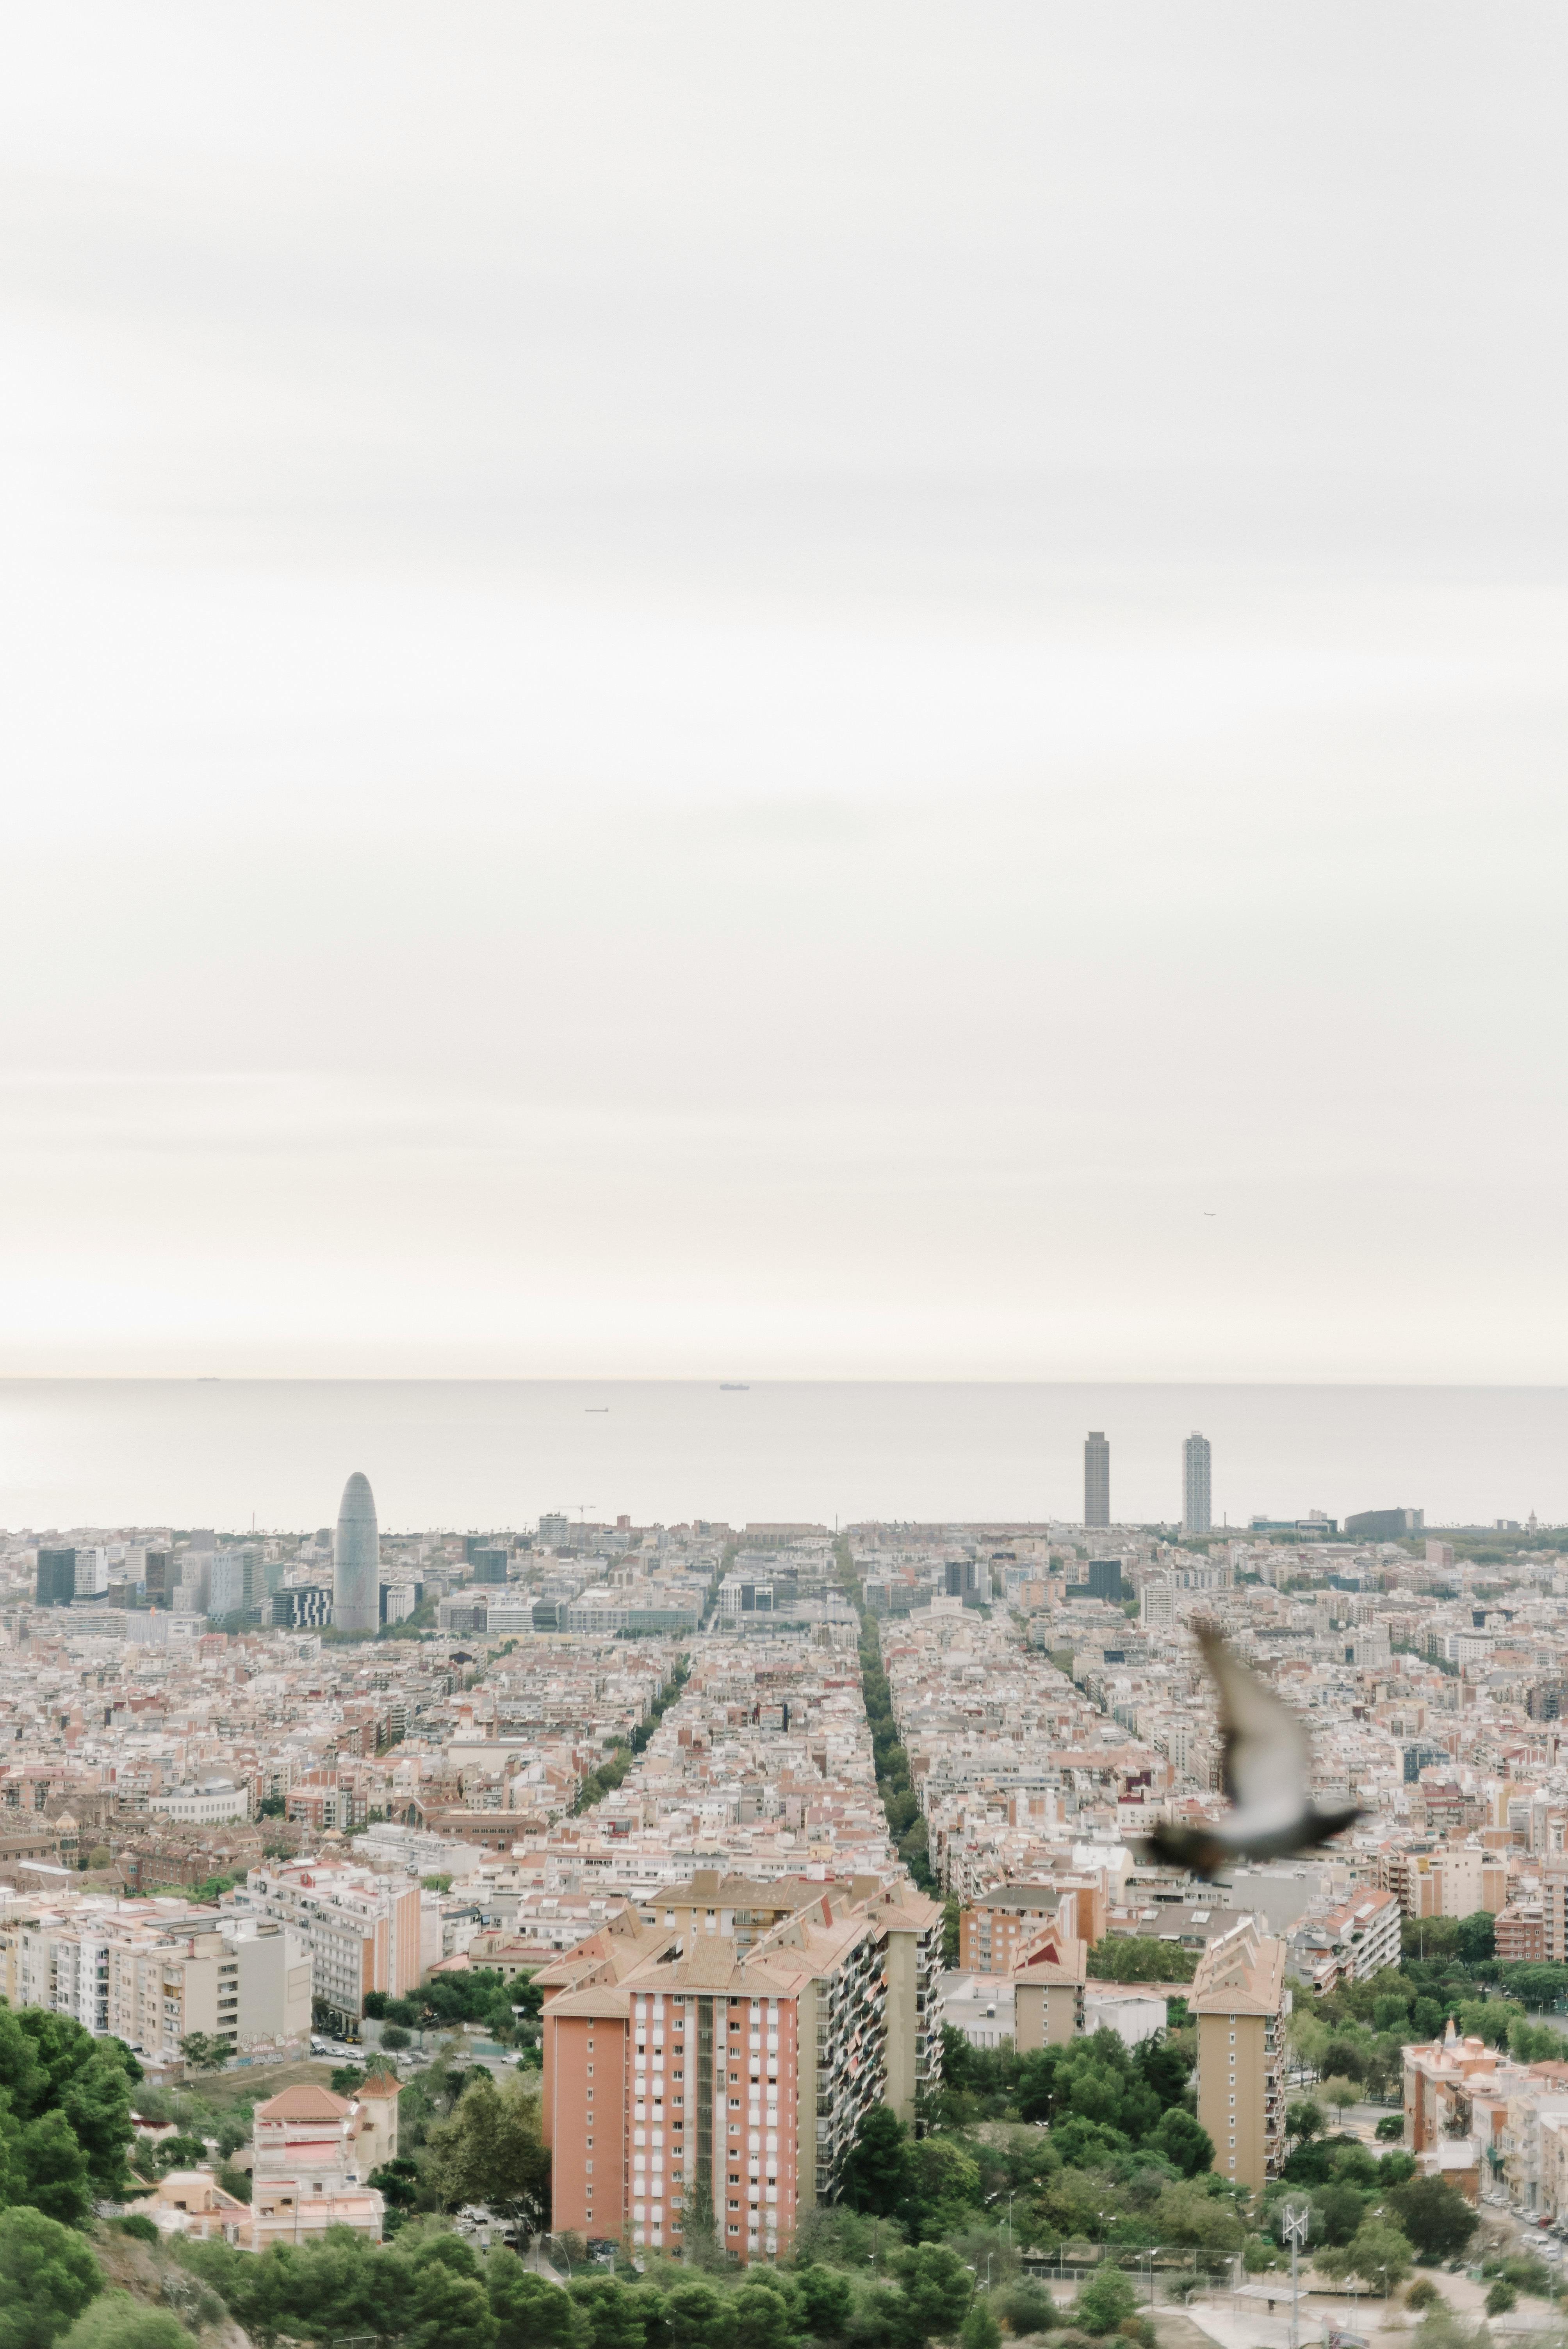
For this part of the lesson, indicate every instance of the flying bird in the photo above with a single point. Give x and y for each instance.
(1263, 1756)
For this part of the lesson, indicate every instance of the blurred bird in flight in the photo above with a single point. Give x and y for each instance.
(1264, 1757)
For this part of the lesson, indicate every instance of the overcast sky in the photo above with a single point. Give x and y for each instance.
(704, 689)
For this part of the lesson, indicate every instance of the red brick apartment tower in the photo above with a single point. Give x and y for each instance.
(660, 2085)
(585, 2113)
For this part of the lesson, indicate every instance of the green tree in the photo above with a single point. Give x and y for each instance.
(1477, 1938)
(1185, 2144)
(1134, 1957)
(1303, 2120)
(1501, 2298)
(826, 2299)
(1436, 2219)
(943, 2186)
(696, 2312)
(762, 2315)
(117, 2321)
(1535, 2042)
(980, 2329)
(612, 2314)
(204, 2051)
(1106, 2300)
(444, 2305)
(55, 2165)
(1380, 2254)
(531, 2312)
(877, 2172)
(1188, 2216)
(491, 2151)
(47, 2276)
(934, 2290)
(394, 2037)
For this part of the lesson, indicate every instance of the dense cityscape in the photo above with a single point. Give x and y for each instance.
(619, 1899)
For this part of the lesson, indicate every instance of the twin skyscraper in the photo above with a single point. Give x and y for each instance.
(1197, 1501)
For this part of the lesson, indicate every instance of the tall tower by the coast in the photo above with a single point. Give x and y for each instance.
(1096, 1479)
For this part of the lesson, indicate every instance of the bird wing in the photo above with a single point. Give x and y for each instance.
(1263, 1748)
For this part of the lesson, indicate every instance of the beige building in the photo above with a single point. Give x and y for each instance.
(363, 1929)
(151, 1971)
(1240, 2001)
(311, 2154)
(1048, 1975)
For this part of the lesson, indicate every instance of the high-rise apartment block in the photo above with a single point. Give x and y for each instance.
(1240, 2001)
(1197, 1500)
(361, 1929)
(1096, 1479)
(122, 1967)
(722, 2060)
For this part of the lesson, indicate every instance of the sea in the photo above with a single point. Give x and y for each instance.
(492, 1454)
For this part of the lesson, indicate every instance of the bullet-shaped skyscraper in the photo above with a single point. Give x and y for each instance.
(357, 1560)
(1096, 1479)
(1197, 1507)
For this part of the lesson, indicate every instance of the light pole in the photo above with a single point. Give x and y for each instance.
(1297, 2227)
(1152, 2248)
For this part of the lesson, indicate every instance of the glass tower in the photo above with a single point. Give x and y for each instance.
(357, 1560)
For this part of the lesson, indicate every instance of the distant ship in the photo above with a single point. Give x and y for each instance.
(207, 1379)
(591, 1407)
(733, 1386)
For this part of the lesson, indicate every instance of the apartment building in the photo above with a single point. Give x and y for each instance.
(1240, 2001)
(151, 1976)
(1520, 1932)
(361, 1930)
(1445, 1879)
(679, 2067)
(1048, 1974)
(1356, 1939)
(995, 1924)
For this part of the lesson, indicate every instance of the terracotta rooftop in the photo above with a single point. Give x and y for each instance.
(304, 2103)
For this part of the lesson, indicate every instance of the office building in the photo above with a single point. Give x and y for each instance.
(262, 1578)
(488, 1565)
(1197, 1506)
(307, 1607)
(226, 1583)
(357, 1560)
(1240, 2001)
(1383, 1525)
(158, 1574)
(1096, 1479)
(56, 1584)
(91, 1573)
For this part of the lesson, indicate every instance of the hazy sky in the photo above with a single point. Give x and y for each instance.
(706, 689)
